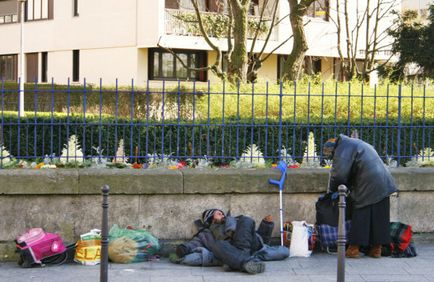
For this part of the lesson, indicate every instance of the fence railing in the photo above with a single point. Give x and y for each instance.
(218, 123)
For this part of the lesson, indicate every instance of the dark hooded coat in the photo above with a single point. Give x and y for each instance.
(357, 165)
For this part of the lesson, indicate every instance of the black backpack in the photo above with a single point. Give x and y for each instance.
(26, 259)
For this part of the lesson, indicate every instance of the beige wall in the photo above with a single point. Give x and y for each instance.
(327, 68)
(114, 63)
(113, 29)
(150, 22)
(104, 32)
(120, 63)
(100, 24)
(268, 71)
(142, 65)
(60, 66)
(416, 4)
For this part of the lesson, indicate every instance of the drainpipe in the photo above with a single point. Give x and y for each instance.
(21, 72)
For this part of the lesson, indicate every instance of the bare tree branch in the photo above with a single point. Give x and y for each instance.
(258, 27)
(202, 29)
(231, 18)
(276, 5)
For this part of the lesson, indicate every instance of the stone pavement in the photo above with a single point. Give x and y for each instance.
(319, 267)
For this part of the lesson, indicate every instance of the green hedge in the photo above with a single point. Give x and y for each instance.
(45, 134)
(309, 101)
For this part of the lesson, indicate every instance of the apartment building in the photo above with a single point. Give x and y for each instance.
(93, 39)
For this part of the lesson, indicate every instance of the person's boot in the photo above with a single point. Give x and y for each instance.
(254, 266)
(352, 251)
(265, 229)
(375, 251)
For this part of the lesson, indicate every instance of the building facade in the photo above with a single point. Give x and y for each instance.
(109, 40)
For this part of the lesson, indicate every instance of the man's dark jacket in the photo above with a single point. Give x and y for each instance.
(357, 165)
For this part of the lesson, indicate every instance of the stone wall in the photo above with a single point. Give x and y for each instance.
(167, 201)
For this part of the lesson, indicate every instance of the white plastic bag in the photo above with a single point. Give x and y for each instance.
(299, 240)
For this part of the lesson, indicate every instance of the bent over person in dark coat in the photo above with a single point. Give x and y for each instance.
(357, 165)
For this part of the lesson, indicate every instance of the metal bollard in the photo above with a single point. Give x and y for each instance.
(341, 233)
(104, 235)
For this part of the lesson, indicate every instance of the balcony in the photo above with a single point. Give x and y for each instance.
(183, 22)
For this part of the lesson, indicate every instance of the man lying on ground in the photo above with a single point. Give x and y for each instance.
(232, 242)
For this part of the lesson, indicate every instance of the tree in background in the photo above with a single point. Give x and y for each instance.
(241, 64)
(292, 66)
(367, 23)
(414, 39)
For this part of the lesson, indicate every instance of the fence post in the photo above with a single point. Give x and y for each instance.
(279, 140)
(104, 235)
(398, 135)
(341, 234)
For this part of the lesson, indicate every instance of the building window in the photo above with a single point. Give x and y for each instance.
(38, 10)
(44, 66)
(8, 12)
(32, 67)
(8, 67)
(280, 63)
(172, 4)
(8, 19)
(164, 65)
(75, 65)
(312, 65)
(254, 8)
(319, 9)
(76, 8)
(224, 61)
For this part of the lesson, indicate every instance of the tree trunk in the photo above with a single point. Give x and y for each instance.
(341, 72)
(237, 67)
(367, 43)
(293, 65)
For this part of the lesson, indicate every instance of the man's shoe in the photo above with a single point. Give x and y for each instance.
(254, 267)
(375, 251)
(352, 251)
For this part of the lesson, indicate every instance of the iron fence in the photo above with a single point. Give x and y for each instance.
(216, 122)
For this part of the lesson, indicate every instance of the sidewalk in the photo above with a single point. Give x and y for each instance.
(318, 267)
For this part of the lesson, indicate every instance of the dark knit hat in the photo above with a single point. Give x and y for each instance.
(208, 215)
(331, 143)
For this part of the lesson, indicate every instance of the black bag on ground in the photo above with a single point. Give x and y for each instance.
(327, 209)
(26, 260)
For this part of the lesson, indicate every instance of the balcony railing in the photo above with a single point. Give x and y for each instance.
(182, 22)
